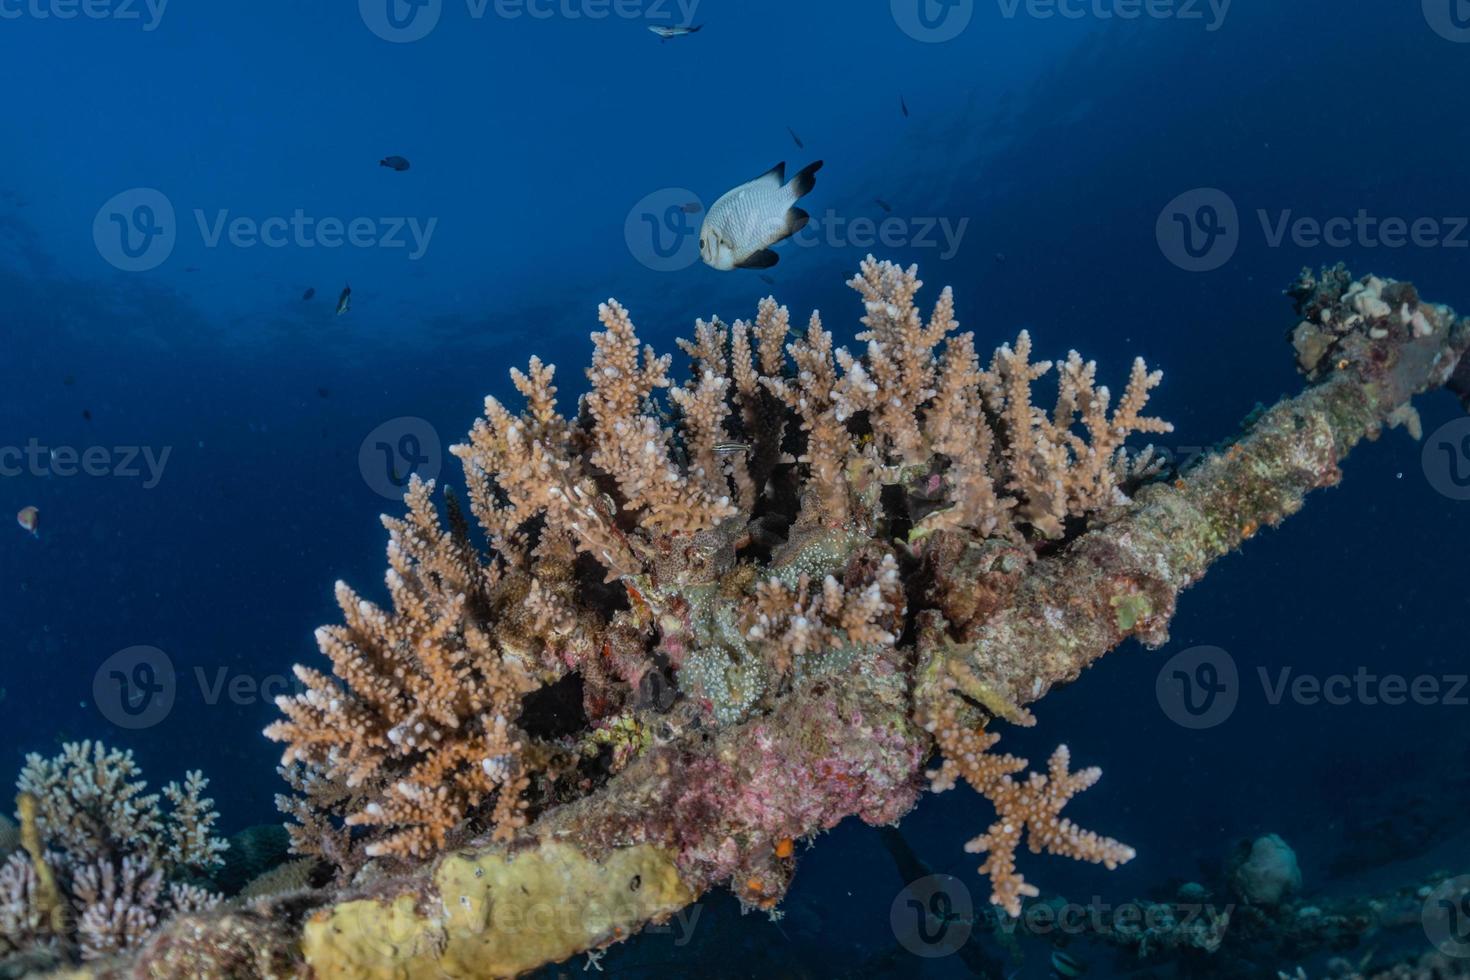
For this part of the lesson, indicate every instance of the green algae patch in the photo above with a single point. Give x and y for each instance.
(1130, 610)
(498, 915)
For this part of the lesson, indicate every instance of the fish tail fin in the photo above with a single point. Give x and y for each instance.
(802, 184)
(796, 220)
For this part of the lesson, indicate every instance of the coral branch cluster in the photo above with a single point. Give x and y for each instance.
(1032, 806)
(102, 860)
(678, 557)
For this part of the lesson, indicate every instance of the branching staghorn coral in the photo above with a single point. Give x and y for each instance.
(420, 729)
(97, 852)
(764, 530)
(715, 789)
(89, 804)
(1033, 806)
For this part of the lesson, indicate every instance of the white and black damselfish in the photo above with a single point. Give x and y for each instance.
(741, 227)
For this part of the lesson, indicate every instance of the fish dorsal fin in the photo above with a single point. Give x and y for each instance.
(776, 173)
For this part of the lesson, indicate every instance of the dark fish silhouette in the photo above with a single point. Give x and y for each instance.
(903, 104)
(883, 204)
(322, 392)
(799, 143)
(693, 207)
(1000, 258)
(344, 302)
(310, 292)
(768, 280)
(394, 163)
(87, 414)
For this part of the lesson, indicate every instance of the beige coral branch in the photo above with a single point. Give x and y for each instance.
(769, 521)
(1031, 806)
(416, 721)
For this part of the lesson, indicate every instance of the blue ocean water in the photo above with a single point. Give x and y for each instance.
(234, 430)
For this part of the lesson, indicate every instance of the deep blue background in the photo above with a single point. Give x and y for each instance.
(1060, 141)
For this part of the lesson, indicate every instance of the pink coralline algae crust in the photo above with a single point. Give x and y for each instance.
(732, 807)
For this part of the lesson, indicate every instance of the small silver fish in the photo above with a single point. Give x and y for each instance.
(741, 226)
(731, 448)
(344, 302)
(669, 32)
